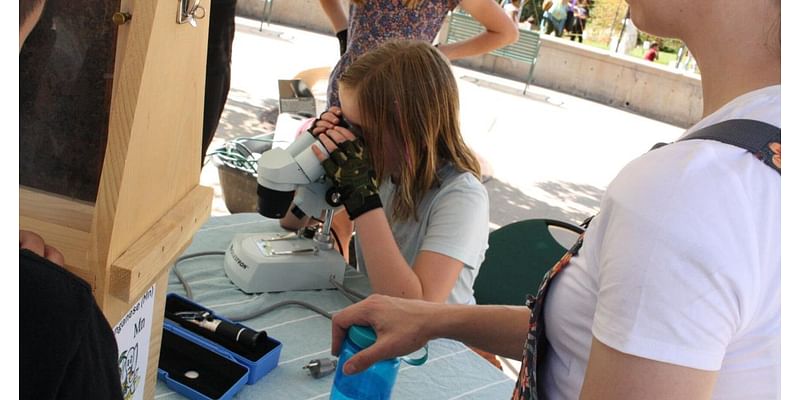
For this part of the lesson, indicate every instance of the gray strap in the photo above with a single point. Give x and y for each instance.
(753, 136)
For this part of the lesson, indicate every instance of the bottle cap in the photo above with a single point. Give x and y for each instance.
(364, 336)
(361, 336)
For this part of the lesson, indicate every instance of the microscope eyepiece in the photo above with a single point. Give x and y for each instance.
(273, 203)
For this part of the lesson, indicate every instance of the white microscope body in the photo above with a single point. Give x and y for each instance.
(280, 261)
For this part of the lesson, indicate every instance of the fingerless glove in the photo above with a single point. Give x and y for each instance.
(350, 169)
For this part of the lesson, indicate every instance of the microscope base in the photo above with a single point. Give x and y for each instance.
(266, 262)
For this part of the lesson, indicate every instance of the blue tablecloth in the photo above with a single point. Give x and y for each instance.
(452, 372)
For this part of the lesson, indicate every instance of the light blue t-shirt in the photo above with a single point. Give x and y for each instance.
(453, 221)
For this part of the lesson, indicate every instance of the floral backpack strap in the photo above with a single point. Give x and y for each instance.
(536, 343)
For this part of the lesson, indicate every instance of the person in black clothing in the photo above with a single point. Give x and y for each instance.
(221, 28)
(67, 349)
(581, 11)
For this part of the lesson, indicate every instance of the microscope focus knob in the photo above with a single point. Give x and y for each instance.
(333, 197)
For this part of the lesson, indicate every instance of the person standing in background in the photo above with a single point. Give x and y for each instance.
(555, 17)
(570, 15)
(652, 53)
(373, 22)
(221, 28)
(581, 11)
(512, 9)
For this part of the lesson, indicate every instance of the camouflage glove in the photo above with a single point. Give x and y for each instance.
(350, 169)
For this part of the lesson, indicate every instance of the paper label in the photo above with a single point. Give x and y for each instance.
(133, 344)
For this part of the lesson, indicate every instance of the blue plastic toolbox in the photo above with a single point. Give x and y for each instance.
(203, 363)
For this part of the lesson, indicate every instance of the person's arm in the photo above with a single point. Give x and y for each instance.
(500, 30)
(335, 12)
(437, 265)
(460, 206)
(293, 222)
(612, 374)
(431, 278)
(433, 275)
(403, 326)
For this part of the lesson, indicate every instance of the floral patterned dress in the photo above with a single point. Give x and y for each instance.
(378, 21)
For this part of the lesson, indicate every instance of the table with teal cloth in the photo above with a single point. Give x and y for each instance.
(452, 371)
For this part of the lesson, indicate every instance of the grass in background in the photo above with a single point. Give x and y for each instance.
(595, 43)
(638, 52)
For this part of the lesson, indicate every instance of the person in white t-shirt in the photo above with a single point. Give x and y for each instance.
(675, 293)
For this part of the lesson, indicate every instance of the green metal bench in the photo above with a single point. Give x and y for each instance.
(526, 49)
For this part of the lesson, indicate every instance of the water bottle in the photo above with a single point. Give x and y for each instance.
(374, 383)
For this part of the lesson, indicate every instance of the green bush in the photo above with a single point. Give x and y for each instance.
(665, 45)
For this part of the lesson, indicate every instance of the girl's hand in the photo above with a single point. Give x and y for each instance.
(350, 169)
(328, 120)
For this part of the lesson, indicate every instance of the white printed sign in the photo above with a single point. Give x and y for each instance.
(133, 343)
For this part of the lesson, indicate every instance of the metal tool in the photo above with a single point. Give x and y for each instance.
(231, 331)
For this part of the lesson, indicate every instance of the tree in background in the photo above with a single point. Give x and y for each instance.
(665, 45)
(606, 20)
(606, 23)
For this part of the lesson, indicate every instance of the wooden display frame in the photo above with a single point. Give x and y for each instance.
(149, 202)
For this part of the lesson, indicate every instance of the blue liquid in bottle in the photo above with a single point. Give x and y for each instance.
(375, 383)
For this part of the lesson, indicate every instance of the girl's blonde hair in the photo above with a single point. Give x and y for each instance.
(407, 96)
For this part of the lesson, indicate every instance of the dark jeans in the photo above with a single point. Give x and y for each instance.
(550, 24)
(218, 66)
(570, 20)
(577, 30)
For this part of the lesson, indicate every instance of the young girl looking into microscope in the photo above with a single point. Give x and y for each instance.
(408, 181)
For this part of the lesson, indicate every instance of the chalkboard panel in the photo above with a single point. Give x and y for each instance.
(65, 75)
